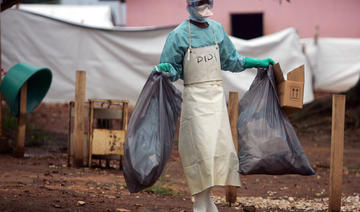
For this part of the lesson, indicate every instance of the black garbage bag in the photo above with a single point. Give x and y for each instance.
(267, 141)
(151, 130)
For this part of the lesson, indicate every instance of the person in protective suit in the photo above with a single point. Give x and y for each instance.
(197, 51)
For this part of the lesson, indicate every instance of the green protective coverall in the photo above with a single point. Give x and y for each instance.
(177, 44)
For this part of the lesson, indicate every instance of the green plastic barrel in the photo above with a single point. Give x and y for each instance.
(38, 83)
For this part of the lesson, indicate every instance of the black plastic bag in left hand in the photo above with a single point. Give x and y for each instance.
(151, 130)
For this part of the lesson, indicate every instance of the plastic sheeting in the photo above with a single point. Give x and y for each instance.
(118, 62)
(268, 143)
(334, 62)
(150, 134)
(283, 47)
(91, 15)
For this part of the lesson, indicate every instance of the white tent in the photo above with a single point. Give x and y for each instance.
(119, 61)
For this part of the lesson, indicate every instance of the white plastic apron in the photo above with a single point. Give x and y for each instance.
(205, 143)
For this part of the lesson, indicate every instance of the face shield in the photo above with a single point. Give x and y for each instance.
(199, 10)
(204, 10)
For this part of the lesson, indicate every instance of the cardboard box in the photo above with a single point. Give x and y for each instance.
(290, 91)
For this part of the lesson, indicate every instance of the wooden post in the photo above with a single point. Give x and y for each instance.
(90, 131)
(19, 151)
(125, 116)
(71, 106)
(125, 128)
(79, 119)
(337, 152)
(233, 110)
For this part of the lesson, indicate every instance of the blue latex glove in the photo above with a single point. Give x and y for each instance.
(166, 67)
(256, 63)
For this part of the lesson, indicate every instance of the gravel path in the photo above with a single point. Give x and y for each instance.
(349, 203)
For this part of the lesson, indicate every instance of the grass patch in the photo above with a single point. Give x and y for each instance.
(9, 122)
(35, 137)
(160, 188)
(9, 129)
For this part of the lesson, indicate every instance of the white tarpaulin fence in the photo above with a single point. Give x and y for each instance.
(118, 62)
(283, 47)
(335, 63)
(92, 15)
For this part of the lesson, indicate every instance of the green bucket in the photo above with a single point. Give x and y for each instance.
(38, 83)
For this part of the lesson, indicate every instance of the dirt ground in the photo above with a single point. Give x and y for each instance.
(42, 181)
